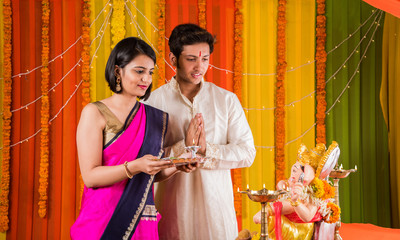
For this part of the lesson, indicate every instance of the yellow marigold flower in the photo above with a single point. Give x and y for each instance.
(318, 187)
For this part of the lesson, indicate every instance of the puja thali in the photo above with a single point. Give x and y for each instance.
(184, 161)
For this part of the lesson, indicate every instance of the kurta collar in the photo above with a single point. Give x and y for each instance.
(175, 85)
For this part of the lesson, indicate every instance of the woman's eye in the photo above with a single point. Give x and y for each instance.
(151, 73)
(191, 59)
(205, 59)
(139, 71)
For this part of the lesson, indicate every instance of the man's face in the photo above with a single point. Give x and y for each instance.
(193, 63)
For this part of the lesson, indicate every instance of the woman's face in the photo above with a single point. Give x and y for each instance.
(136, 76)
(295, 173)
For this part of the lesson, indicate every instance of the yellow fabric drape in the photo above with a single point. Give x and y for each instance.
(259, 57)
(390, 101)
(136, 25)
(98, 85)
(300, 116)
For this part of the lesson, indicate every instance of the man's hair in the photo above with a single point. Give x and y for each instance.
(189, 34)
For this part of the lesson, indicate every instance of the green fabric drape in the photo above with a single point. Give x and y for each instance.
(356, 121)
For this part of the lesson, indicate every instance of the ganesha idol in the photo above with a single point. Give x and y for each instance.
(307, 210)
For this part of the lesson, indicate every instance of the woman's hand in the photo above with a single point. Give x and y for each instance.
(188, 167)
(296, 191)
(151, 165)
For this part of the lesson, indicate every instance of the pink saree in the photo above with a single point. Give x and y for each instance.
(126, 209)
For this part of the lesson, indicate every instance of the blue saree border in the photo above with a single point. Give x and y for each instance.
(130, 208)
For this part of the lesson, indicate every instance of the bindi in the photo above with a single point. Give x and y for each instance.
(200, 54)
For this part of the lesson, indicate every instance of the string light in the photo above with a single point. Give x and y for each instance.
(291, 141)
(155, 28)
(77, 64)
(73, 93)
(352, 34)
(286, 105)
(354, 51)
(338, 98)
(61, 55)
(137, 26)
(258, 74)
(211, 66)
(357, 69)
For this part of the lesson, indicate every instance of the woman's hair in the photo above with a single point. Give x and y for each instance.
(122, 54)
(189, 34)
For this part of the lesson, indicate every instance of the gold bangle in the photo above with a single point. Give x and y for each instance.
(128, 173)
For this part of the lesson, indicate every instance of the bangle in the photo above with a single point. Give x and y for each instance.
(128, 173)
(294, 204)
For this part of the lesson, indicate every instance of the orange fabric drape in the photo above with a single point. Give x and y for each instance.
(219, 21)
(390, 6)
(65, 22)
(178, 13)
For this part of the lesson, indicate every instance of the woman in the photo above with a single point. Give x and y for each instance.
(120, 142)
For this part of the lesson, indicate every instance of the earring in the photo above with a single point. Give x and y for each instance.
(118, 86)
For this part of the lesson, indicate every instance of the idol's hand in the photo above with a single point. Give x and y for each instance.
(282, 185)
(151, 165)
(296, 190)
(193, 131)
(202, 138)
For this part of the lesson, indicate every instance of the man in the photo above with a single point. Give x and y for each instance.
(200, 205)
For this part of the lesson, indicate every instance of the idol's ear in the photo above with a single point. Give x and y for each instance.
(309, 174)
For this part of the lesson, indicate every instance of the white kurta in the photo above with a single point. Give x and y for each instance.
(200, 205)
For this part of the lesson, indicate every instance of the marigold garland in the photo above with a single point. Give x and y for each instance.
(118, 22)
(85, 52)
(202, 13)
(85, 55)
(161, 43)
(334, 214)
(45, 112)
(318, 188)
(320, 57)
(329, 190)
(237, 89)
(5, 168)
(280, 94)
